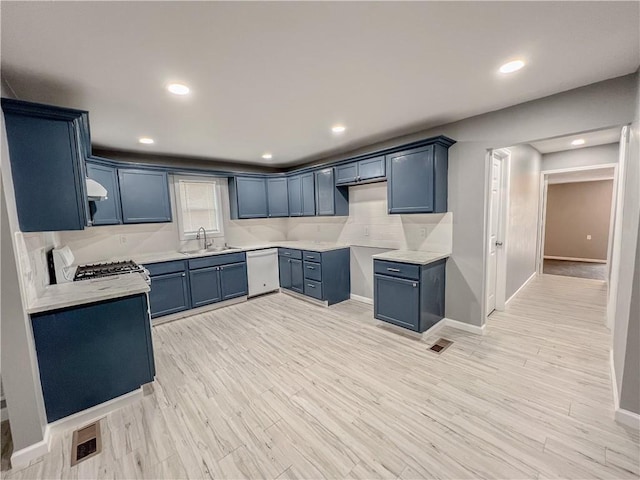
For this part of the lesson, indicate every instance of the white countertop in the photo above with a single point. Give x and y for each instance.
(88, 291)
(411, 256)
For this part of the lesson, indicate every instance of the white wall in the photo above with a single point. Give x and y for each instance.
(581, 157)
(522, 224)
(626, 342)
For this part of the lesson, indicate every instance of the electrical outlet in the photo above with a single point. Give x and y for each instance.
(423, 232)
(588, 237)
(366, 231)
(123, 239)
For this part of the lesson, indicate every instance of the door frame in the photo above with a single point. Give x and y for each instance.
(542, 212)
(504, 155)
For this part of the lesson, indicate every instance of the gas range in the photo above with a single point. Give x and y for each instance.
(99, 270)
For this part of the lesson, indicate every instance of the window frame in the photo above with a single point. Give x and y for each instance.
(216, 182)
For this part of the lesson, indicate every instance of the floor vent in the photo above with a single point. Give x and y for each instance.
(440, 345)
(86, 443)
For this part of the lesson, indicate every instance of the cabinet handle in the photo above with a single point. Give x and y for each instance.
(310, 256)
(310, 267)
(287, 253)
(311, 285)
(184, 274)
(289, 260)
(415, 285)
(393, 269)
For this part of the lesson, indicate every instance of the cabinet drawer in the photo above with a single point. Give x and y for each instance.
(290, 253)
(311, 256)
(313, 288)
(313, 271)
(166, 267)
(396, 269)
(215, 260)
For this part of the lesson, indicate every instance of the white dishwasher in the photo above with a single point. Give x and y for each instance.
(262, 270)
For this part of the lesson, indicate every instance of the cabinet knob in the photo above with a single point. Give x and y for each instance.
(289, 260)
(415, 285)
(184, 274)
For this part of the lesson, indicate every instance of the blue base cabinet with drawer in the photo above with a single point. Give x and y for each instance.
(181, 285)
(90, 354)
(407, 295)
(324, 276)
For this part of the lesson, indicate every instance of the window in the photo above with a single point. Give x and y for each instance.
(199, 205)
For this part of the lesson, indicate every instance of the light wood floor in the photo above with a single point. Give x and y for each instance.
(279, 388)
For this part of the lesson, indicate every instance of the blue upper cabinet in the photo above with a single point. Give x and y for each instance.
(248, 197)
(330, 200)
(308, 185)
(363, 171)
(295, 196)
(278, 197)
(144, 196)
(105, 212)
(417, 180)
(47, 149)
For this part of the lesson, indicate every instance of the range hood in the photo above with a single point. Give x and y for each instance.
(95, 191)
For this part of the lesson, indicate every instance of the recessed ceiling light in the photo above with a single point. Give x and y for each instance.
(512, 66)
(146, 140)
(267, 156)
(338, 129)
(178, 88)
(578, 141)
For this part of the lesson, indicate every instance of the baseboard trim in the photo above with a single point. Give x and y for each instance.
(575, 259)
(627, 418)
(195, 311)
(21, 458)
(358, 298)
(533, 275)
(449, 322)
(622, 416)
(313, 301)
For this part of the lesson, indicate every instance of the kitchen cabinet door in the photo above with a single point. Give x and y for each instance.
(410, 186)
(297, 276)
(169, 294)
(144, 195)
(347, 174)
(397, 301)
(278, 197)
(371, 169)
(47, 154)
(325, 192)
(205, 286)
(284, 267)
(252, 197)
(233, 280)
(90, 354)
(294, 185)
(105, 212)
(308, 185)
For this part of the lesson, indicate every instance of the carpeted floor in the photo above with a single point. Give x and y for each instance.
(597, 271)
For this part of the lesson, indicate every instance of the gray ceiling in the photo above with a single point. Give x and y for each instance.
(276, 76)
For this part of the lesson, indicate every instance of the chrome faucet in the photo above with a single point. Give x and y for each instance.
(205, 245)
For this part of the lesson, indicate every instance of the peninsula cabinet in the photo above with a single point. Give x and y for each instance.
(417, 180)
(47, 150)
(407, 295)
(89, 354)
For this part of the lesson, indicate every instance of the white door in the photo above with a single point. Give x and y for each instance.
(494, 230)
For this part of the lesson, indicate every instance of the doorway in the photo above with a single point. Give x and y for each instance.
(575, 221)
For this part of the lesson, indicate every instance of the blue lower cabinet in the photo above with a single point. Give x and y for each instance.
(93, 353)
(324, 276)
(410, 296)
(233, 280)
(205, 286)
(297, 277)
(169, 293)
